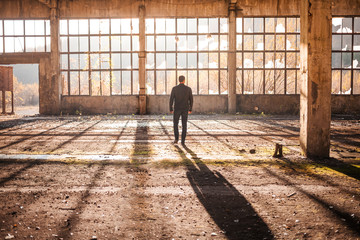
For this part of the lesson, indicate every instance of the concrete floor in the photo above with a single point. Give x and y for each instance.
(70, 162)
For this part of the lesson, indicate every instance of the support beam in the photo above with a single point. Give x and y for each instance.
(142, 59)
(315, 96)
(232, 58)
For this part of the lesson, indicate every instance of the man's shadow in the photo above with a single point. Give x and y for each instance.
(227, 207)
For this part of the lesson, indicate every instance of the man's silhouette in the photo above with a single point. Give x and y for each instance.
(183, 106)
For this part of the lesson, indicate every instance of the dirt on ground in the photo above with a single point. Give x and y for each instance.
(121, 177)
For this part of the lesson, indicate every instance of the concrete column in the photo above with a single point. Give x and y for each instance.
(315, 95)
(232, 58)
(142, 61)
(54, 84)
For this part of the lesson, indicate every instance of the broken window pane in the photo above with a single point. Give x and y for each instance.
(279, 82)
(258, 42)
(248, 60)
(356, 42)
(269, 81)
(280, 60)
(269, 60)
(160, 83)
(238, 42)
(347, 43)
(258, 82)
(182, 43)
(248, 82)
(150, 61)
(203, 82)
(280, 25)
(160, 61)
(291, 42)
(248, 25)
(356, 60)
(203, 43)
(290, 81)
(150, 89)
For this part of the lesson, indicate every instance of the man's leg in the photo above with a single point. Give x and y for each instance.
(176, 124)
(184, 118)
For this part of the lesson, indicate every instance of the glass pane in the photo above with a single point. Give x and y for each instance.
(135, 43)
(160, 61)
(84, 44)
(280, 42)
(356, 60)
(203, 43)
(9, 27)
(150, 89)
(150, 43)
(105, 26)
(170, 81)
(258, 25)
(40, 44)
(356, 42)
(248, 60)
(336, 42)
(191, 25)
(170, 60)
(224, 28)
(181, 25)
(64, 83)
(150, 61)
(170, 25)
(213, 60)
(1, 28)
(126, 61)
(105, 61)
(356, 82)
(19, 44)
(125, 27)
(95, 61)
(248, 25)
(291, 24)
(74, 44)
(346, 44)
(269, 25)
(269, 81)
(149, 25)
(223, 82)
(115, 26)
(105, 83)
(290, 60)
(280, 25)
(63, 44)
(335, 81)
(290, 81)
(239, 25)
(30, 44)
(191, 60)
(115, 82)
(192, 43)
(259, 42)
(95, 83)
(74, 83)
(213, 82)
(357, 25)
(74, 61)
(135, 82)
(203, 82)
(94, 27)
(213, 25)
(239, 60)
(160, 83)
(269, 42)
(347, 25)
(170, 43)
(192, 81)
(213, 42)
(248, 82)
(73, 27)
(238, 42)
(182, 43)
(182, 60)
(160, 43)
(47, 27)
(1, 45)
(63, 27)
(115, 61)
(346, 82)
(279, 82)
(223, 60)
(125, 43)
(258, 60)
(346, 60)
(126, 82)
(64, 61)
(258, 82)
(280, 60)
(135, 60)
(223, 43)
(298, 82)
(104, 43)
(239, 82)
(203, 25)
(203, 60)
(336, 60)
(84, 61)
(19, 27)
(83, 27)
(94, 44)
(291, 42)
(29, 27)
(84, 83)
(160, 25)
(248, 42)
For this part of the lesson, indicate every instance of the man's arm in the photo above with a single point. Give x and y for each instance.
(171, 103)
(191, 100)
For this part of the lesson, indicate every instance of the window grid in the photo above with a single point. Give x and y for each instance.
(182, 66)
(106, 74)
(346, 59)
(21, 41)
(280, 83)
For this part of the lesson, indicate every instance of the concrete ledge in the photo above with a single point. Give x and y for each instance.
(345, 104)
(100, 104)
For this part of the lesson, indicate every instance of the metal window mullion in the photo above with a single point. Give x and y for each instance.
(24, 38)
(264, 56)
(219, 50)
(275, 23)
(89, 59)
(242, 56)
(155, 52)
(68, 56)
(341, 60)
(285, 63)
(110, 57)
(100, 69)
(44, 35)
(352, 58)
(296, 73)
(78, 55)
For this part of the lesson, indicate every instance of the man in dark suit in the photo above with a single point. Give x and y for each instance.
(183, 106)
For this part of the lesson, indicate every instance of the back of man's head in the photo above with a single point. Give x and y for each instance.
(181, 79)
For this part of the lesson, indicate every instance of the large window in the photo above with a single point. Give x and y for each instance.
(193, 47)
(24, 36)
(99, 57)
(268, 55)
(346, 55)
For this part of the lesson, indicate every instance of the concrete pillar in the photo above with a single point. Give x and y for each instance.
(232, 58)
(142, 61)
(54, 81)
(315, 95)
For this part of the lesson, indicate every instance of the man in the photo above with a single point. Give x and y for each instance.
(183, 106)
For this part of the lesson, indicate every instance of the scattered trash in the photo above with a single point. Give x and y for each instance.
(236, 220)
(242, 151)
(290, 195)
(37, 228)
(93, 238)
(297, 221)
(331, 207)
(9, 236)
(252, 151)
(213, 234)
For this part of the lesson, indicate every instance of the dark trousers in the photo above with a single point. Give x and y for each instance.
(184, 117)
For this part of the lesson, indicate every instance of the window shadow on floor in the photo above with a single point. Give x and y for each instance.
(229, 209)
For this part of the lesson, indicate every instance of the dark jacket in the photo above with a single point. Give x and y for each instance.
(183, 97)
